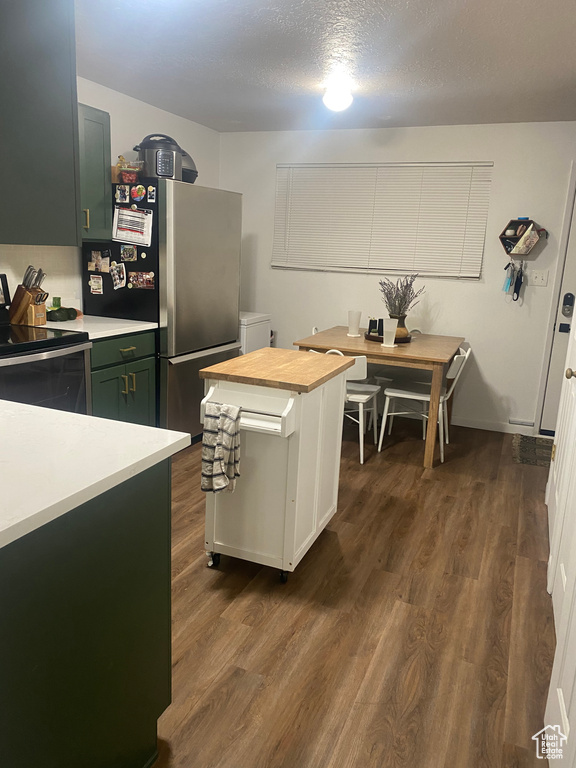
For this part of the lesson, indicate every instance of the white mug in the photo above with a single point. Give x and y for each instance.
(354, 322)
(389, 332)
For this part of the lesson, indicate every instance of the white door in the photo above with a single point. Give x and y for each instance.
(563, 321)
(561, 707)
(561, 500)
(561, 488)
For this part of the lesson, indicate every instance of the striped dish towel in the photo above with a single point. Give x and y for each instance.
(220, 447)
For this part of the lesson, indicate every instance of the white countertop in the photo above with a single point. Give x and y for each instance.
(53, 461)
(101, 327)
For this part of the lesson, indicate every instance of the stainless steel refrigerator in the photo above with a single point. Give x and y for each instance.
(187, 279)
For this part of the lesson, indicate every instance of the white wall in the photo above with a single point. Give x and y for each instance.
(130, 121)
(531, 170)
(62, 267)
(530, 178)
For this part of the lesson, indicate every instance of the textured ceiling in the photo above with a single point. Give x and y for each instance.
(252, 65)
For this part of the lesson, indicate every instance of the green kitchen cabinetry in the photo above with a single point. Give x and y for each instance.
(85, 658)
(124, 373)
(39, 124)
(95, 178)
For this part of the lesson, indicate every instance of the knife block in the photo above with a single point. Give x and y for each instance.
(23, 311)
(36, 314)
(19, 306)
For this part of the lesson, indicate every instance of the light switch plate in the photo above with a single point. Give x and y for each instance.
(538, 277)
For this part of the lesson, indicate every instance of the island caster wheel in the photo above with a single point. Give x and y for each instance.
(283, 577)
(213, 559)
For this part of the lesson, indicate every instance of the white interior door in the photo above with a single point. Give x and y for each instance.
(561, 500)
(561, 489)
(563, 321)
(560, 707)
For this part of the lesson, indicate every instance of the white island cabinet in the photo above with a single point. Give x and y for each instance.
(291, 437)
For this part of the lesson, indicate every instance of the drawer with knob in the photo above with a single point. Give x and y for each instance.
(122, 349)
(124, 373)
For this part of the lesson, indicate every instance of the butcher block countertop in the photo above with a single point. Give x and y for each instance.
(280, 369)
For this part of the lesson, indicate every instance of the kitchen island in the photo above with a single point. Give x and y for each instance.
(85, 598)
(291, 437)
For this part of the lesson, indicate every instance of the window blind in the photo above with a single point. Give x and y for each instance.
(424, 218)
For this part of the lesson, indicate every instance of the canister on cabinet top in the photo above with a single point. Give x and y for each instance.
(162, 156)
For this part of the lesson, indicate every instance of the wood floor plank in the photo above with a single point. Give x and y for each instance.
(514, 756)
(197, 668)
(222, 711)
(400, 707)
(465, 555)
(492, 612)
(454, 603)
(532, 642)
(533, 521)
(415, 632)
(297, 730)
(432, 541)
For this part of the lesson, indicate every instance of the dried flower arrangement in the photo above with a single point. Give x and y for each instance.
(400, 297)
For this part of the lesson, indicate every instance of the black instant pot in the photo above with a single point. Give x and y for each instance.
(164, 158)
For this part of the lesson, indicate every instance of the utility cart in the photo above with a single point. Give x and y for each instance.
(291, 436)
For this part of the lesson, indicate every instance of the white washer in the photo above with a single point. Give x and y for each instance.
(254, 331)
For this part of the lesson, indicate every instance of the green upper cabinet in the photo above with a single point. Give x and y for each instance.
(95, 178)
(39, 124)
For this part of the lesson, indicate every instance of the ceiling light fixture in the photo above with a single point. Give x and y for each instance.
(338, 96)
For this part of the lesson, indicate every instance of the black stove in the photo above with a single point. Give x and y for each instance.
(46, 367)
(23, 339)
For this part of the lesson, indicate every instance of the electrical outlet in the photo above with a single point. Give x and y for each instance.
(538, 277)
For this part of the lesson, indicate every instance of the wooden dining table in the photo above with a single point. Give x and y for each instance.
(425, 351)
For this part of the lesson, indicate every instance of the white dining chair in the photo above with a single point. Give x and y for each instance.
(419, 392)
(361, 398)
(394, 376)
(402, 378)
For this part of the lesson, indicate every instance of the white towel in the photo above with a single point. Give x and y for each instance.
(220, 447)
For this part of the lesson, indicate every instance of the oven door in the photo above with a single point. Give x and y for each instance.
(57, 378)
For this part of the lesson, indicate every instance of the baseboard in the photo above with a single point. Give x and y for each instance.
(494, 426)
(152, 760)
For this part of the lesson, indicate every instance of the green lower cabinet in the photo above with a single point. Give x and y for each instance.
(141, 398)
(85, 660)
(126, 392)
(107, 398)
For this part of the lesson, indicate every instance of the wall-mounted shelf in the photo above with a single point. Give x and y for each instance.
(526, 235)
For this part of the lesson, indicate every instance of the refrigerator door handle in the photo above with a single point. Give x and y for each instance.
(203, 353)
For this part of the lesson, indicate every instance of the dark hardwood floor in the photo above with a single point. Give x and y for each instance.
(416, 632)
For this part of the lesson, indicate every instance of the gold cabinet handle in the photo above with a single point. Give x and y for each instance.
(125, 390)
(127, 349)
(569, 373)
(133, 382)
(87, 212)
